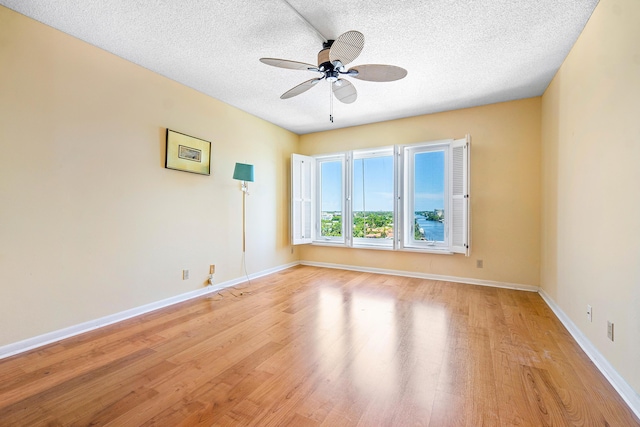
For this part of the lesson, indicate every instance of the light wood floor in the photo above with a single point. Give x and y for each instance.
(310, 346)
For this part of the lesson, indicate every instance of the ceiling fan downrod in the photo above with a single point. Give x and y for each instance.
(318, 33)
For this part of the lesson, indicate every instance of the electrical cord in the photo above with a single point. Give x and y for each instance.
(241, 290)
(210, 298)
(246, 274)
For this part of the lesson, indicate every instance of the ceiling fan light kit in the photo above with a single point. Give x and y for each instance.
(333, 57)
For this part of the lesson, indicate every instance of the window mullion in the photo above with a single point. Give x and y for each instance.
(348, 200)
(398, 211)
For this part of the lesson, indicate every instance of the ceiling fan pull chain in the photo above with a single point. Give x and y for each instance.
(331, 102)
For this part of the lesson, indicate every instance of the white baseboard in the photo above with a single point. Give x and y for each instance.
(455, 279)
(622, 387)
(50, 337)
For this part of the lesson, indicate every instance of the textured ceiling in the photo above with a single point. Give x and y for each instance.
(458, 53)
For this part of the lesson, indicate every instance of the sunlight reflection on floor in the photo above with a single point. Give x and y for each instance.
(390, 346)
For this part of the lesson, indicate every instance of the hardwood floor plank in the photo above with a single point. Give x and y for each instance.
(449, 410)
(221, 398)
(57, 373)
(29, 407)
(543, 400)
(112, 399)
(484, 410)
(320, 347)
(513, 407)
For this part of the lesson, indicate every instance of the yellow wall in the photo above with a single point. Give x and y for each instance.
(591, 184)
(505, 190)
(91, 223)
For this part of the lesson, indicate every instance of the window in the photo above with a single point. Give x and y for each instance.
(372, 209)
(410, 197)
(426, 196)
(330, 198)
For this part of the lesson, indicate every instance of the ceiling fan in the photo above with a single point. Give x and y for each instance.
(333, 57)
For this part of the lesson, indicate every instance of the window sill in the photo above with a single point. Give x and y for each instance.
(442, 251)
(329, 243)
(374, 247)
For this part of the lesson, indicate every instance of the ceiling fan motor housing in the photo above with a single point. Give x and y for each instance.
(323, 59)
(330, 69)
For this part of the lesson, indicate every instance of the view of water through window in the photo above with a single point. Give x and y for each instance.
(428, 196)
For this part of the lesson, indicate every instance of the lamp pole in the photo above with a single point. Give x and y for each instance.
(244, 201)
(244, 172)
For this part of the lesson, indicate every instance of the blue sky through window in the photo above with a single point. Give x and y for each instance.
(331, 186)
(378, 179)
(429, 181)
(378, 184)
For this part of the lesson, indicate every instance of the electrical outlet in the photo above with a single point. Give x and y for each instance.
(185, 274)
(610, 330)
(479, 263)
(589, 313)
(212, 269)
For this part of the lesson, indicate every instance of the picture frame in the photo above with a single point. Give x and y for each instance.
(187, 153)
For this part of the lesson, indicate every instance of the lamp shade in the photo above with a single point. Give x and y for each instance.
(243, 172)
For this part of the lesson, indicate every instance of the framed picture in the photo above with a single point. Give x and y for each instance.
(186, 153)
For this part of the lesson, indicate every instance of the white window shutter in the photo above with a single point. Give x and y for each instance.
(460, 155)
(302, 198)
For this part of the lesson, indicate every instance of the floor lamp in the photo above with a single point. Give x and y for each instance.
(244, 173)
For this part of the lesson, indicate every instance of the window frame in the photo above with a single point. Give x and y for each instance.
(457, 203)
(407, 154)
(318, 237)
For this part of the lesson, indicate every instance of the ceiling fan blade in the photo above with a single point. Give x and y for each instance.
(344, 91)
(378, 72)
(285, 63)
(347, 47)
(302, 87)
